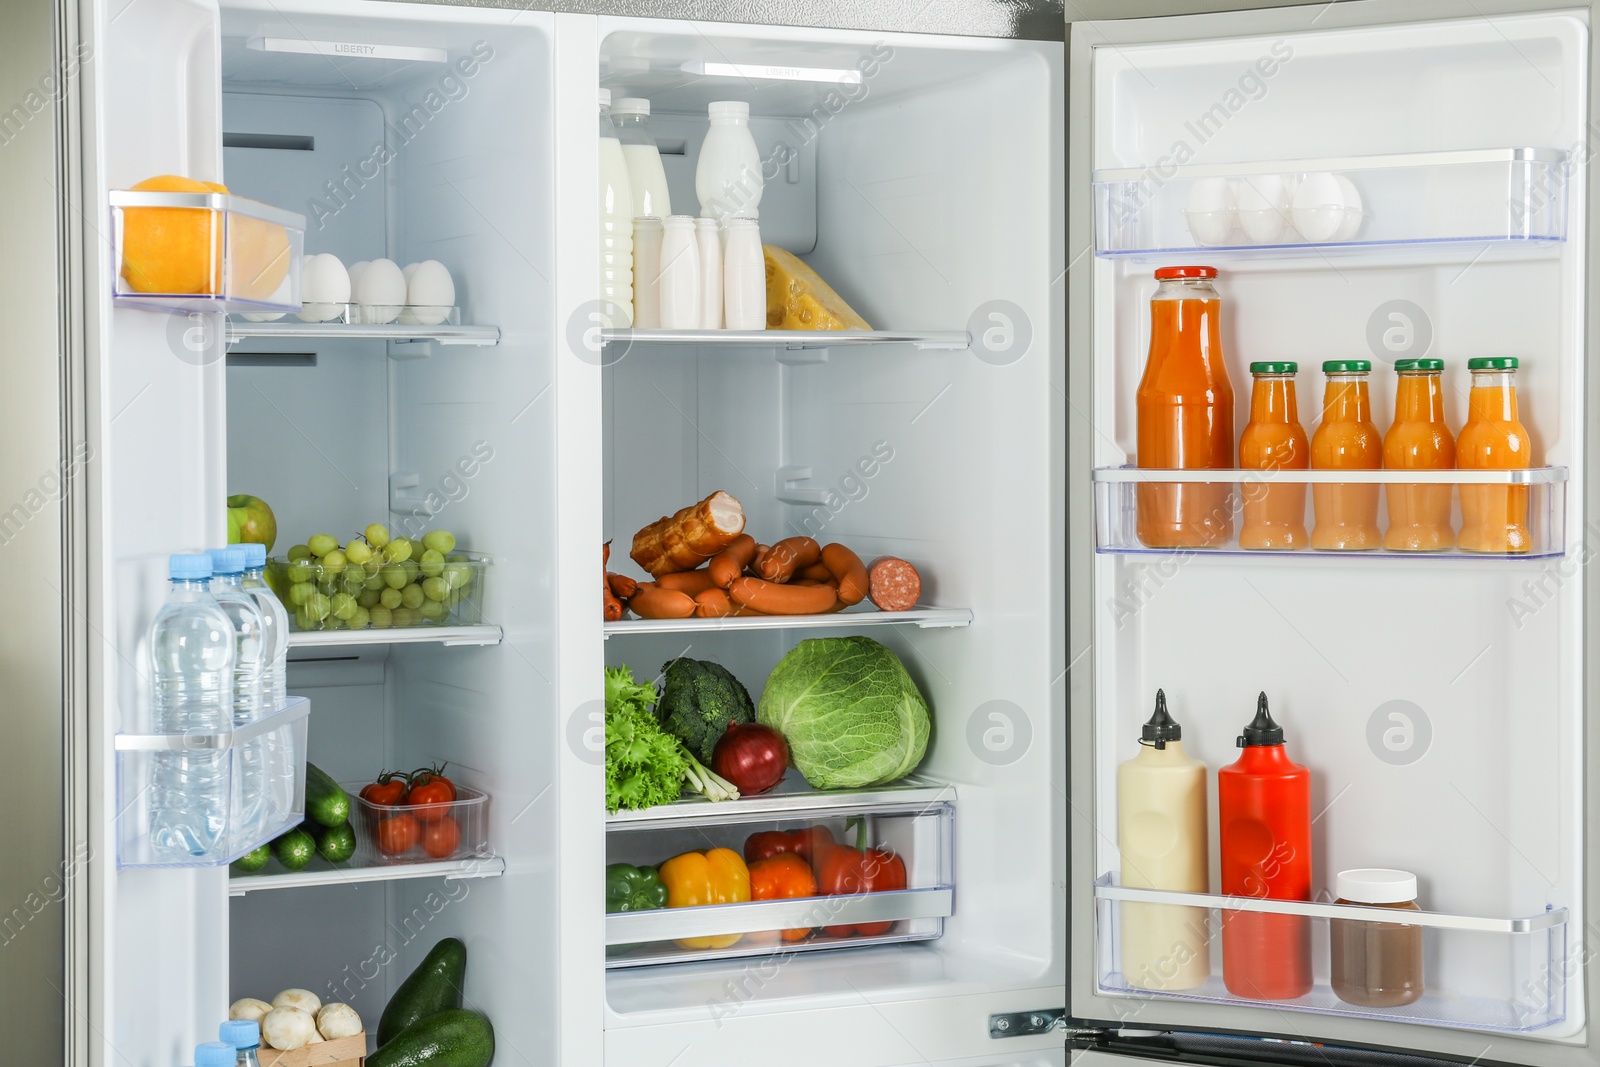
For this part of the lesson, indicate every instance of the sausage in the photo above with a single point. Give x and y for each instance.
(788, 556)
(772, 598)
(846, 568)
(651, 601)
(716, 604)
(612, 611)
(754, 569)
(728, 564)
(611, 607)
(691, 582)
(894, 584)
(817, 572)
(622, 587)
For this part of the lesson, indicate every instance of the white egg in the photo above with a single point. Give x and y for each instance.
(1318, 207)
(1209, 211)
(405, 313)
(380, 291)
(324, 288)
(355, 272)
(280, 295)
(431, 293)
(1261, 206)
(1352, 209)
(408, 270)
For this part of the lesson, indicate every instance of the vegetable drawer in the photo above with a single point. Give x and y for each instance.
(751, 883)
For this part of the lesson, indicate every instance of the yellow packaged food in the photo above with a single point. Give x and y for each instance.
(797, 299)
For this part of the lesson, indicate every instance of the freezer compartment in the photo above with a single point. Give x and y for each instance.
(200, 252)
(420, 834)
(316, 601)
(1525, 992)
(276, 742)
(1505, 194)
(901, 891)
(1534, 500)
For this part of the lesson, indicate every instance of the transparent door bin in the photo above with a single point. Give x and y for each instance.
(428, 834)
(298, 582)
(919, 835)
(200, 252)
(1496, 974)
(1538, 495)
(1508, 194)
(281, 737)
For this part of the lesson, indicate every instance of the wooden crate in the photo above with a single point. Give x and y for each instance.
(344, 1052)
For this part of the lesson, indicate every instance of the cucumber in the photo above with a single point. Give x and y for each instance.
(326, 803)
(335, 844)
(433, 987)
(294, 849)
(253, 860)
(450, 1038)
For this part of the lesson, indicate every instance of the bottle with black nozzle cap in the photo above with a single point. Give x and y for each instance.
(1161, 833)
(1264, 820)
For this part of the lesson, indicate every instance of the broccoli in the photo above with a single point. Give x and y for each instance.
(698, 701)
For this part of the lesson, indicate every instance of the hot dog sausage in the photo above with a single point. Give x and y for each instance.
(817, 572)
(728, 564)
(691, 582)
(788, 556)
(622, 587)
(773, 599)
(848, 570)
(716, 604)
(894, 584)
(613, 608)
(651, 601)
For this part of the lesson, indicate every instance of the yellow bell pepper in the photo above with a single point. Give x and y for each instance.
(694, 879)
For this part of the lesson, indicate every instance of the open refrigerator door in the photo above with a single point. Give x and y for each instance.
(1361, 194)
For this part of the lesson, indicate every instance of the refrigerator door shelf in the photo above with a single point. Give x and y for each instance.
(1530, 994)
(1542, 492)
(281, 735)
(216, 252)
(1353, 202)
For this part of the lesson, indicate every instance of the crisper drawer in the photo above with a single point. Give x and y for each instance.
(885, 878)
(205, 799)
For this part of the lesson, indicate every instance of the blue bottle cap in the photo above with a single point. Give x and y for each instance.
(215, 1054)
(228, 560)
(189, 566)
(240, 1033)
(255, 556)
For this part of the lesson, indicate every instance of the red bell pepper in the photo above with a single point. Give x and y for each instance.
(810, 844)
(846, 871)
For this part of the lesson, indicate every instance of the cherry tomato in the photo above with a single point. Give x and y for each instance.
(430, 793)
(441, 839)
(387, 791)
(397, 834)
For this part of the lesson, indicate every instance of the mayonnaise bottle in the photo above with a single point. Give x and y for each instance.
(1161, 833)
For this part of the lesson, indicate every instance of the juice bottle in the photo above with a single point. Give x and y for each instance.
(1494, 518)
(1274, 515)
(1419, 515)
(1346, 513)
(1185, 413)
(1264, 822)
(1161, 834)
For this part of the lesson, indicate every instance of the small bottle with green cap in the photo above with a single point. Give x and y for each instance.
(1346, 512)
(1494, 518)
(1273, 440)
(1418, 439)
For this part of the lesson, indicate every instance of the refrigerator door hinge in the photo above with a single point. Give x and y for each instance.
(1027, 1023)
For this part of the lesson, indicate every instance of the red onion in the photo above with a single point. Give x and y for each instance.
(751, 756)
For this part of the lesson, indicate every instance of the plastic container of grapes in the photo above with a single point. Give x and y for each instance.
(316, 600)
(420, 833)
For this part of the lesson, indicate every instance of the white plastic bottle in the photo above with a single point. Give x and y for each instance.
(1161, 833)
(744, 271)
(252, 786)
(631, 116)
(728, 177)
(647, 273)
(680, 274)
(616, 216)
(708, 239)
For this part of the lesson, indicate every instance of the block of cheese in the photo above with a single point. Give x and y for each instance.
(797, 299)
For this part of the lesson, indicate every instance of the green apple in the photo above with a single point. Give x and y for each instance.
(251, 521)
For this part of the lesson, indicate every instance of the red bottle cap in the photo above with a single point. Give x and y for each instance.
(1163, 273)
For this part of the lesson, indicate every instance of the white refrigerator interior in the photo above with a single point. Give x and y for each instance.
(928, 193)
(1437, 701)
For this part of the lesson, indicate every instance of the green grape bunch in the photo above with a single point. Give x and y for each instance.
(374, 580)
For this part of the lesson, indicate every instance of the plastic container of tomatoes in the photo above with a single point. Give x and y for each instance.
(421, 833)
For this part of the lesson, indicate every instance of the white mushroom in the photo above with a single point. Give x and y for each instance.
(248, 1008)
(289, 1029)
(338, 1020)
(303, 999)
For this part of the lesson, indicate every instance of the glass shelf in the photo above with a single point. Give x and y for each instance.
(792, 795)
(321, 872)
(483, 634)
(1352, 203)
(1539, 494)
(1529, 995)
(866, 615)
(790, 340)
(448, 334)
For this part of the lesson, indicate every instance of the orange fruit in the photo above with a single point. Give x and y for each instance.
(179, 250)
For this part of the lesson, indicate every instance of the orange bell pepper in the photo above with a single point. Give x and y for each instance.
(782, 877)
(695, 879)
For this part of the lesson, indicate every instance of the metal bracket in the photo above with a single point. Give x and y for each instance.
(1027, 1023)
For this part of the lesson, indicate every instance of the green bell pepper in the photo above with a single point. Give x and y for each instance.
(630, 888)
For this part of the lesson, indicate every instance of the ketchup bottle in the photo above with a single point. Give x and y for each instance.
(1264, 818)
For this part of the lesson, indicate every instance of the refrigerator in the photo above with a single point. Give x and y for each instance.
(995, 209)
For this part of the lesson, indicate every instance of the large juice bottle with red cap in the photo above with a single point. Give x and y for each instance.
(1264, 826)
(1185, 414)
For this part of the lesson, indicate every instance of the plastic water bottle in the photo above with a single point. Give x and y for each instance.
(214, 1054)
(274, 677)
(191, 661)
(245, 1036)
(252, 789)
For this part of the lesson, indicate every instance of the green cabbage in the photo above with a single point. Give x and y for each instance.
(851, 714)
